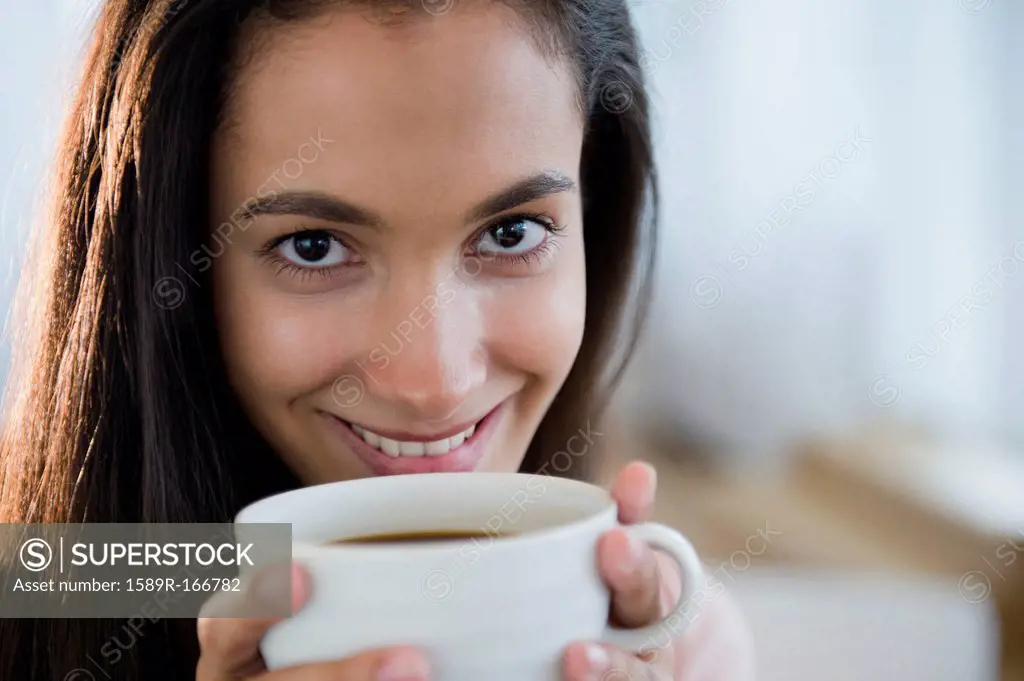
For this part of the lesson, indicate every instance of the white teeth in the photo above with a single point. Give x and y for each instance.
(400, 448)
(389, 446)
(411, 448)
(437, 448)
(370, 438)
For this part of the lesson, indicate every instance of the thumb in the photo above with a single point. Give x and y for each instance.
(229, 636)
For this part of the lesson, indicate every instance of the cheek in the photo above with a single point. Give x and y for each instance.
(275, 346)
(536, 327)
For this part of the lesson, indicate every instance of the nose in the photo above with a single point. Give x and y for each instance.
(430, 356)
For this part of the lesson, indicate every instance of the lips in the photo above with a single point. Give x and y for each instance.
(396, 447)
(393, 453)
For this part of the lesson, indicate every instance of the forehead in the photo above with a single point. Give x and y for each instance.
(435, 107)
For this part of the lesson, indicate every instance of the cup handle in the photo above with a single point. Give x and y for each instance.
(679, 548)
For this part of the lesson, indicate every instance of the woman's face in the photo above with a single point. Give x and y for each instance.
(397, 245)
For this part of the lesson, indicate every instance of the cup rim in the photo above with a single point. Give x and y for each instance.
(604, 505)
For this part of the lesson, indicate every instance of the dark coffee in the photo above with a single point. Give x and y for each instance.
(414, 537)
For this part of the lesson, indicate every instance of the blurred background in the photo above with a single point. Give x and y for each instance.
(831, 379)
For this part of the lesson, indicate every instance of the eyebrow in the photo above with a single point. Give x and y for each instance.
(530, 189)
(324, 206)
(313, 204)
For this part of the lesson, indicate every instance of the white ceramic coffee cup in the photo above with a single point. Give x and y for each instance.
(501, 608)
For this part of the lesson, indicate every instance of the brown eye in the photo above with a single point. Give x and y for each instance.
(512, 237)
(313, 249)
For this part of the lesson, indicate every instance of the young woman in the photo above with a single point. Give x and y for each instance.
(298, 241)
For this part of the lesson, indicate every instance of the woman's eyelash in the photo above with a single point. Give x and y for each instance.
(269, 252)
(542, 219)
(533, 256)
(549, 244)
(285, 267)
(270, 249)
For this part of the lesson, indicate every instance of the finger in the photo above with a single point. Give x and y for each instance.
(598, 662)
(230, 645)
(385, 664)
(630, 569)
(633, 491)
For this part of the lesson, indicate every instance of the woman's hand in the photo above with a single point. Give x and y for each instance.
(230, 646)
(645, 587)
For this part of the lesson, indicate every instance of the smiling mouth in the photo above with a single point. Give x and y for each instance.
(401, 448)
(461, 448)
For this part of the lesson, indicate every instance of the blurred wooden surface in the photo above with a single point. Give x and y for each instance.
(819, 516)
(719, 513)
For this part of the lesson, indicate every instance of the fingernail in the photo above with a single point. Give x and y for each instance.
(300, 587)
(404, 665)
(598, 662)
(637, 550)
(651, 489)
(630, 561)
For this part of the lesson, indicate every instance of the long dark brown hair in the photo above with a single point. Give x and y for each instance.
(118, 409)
